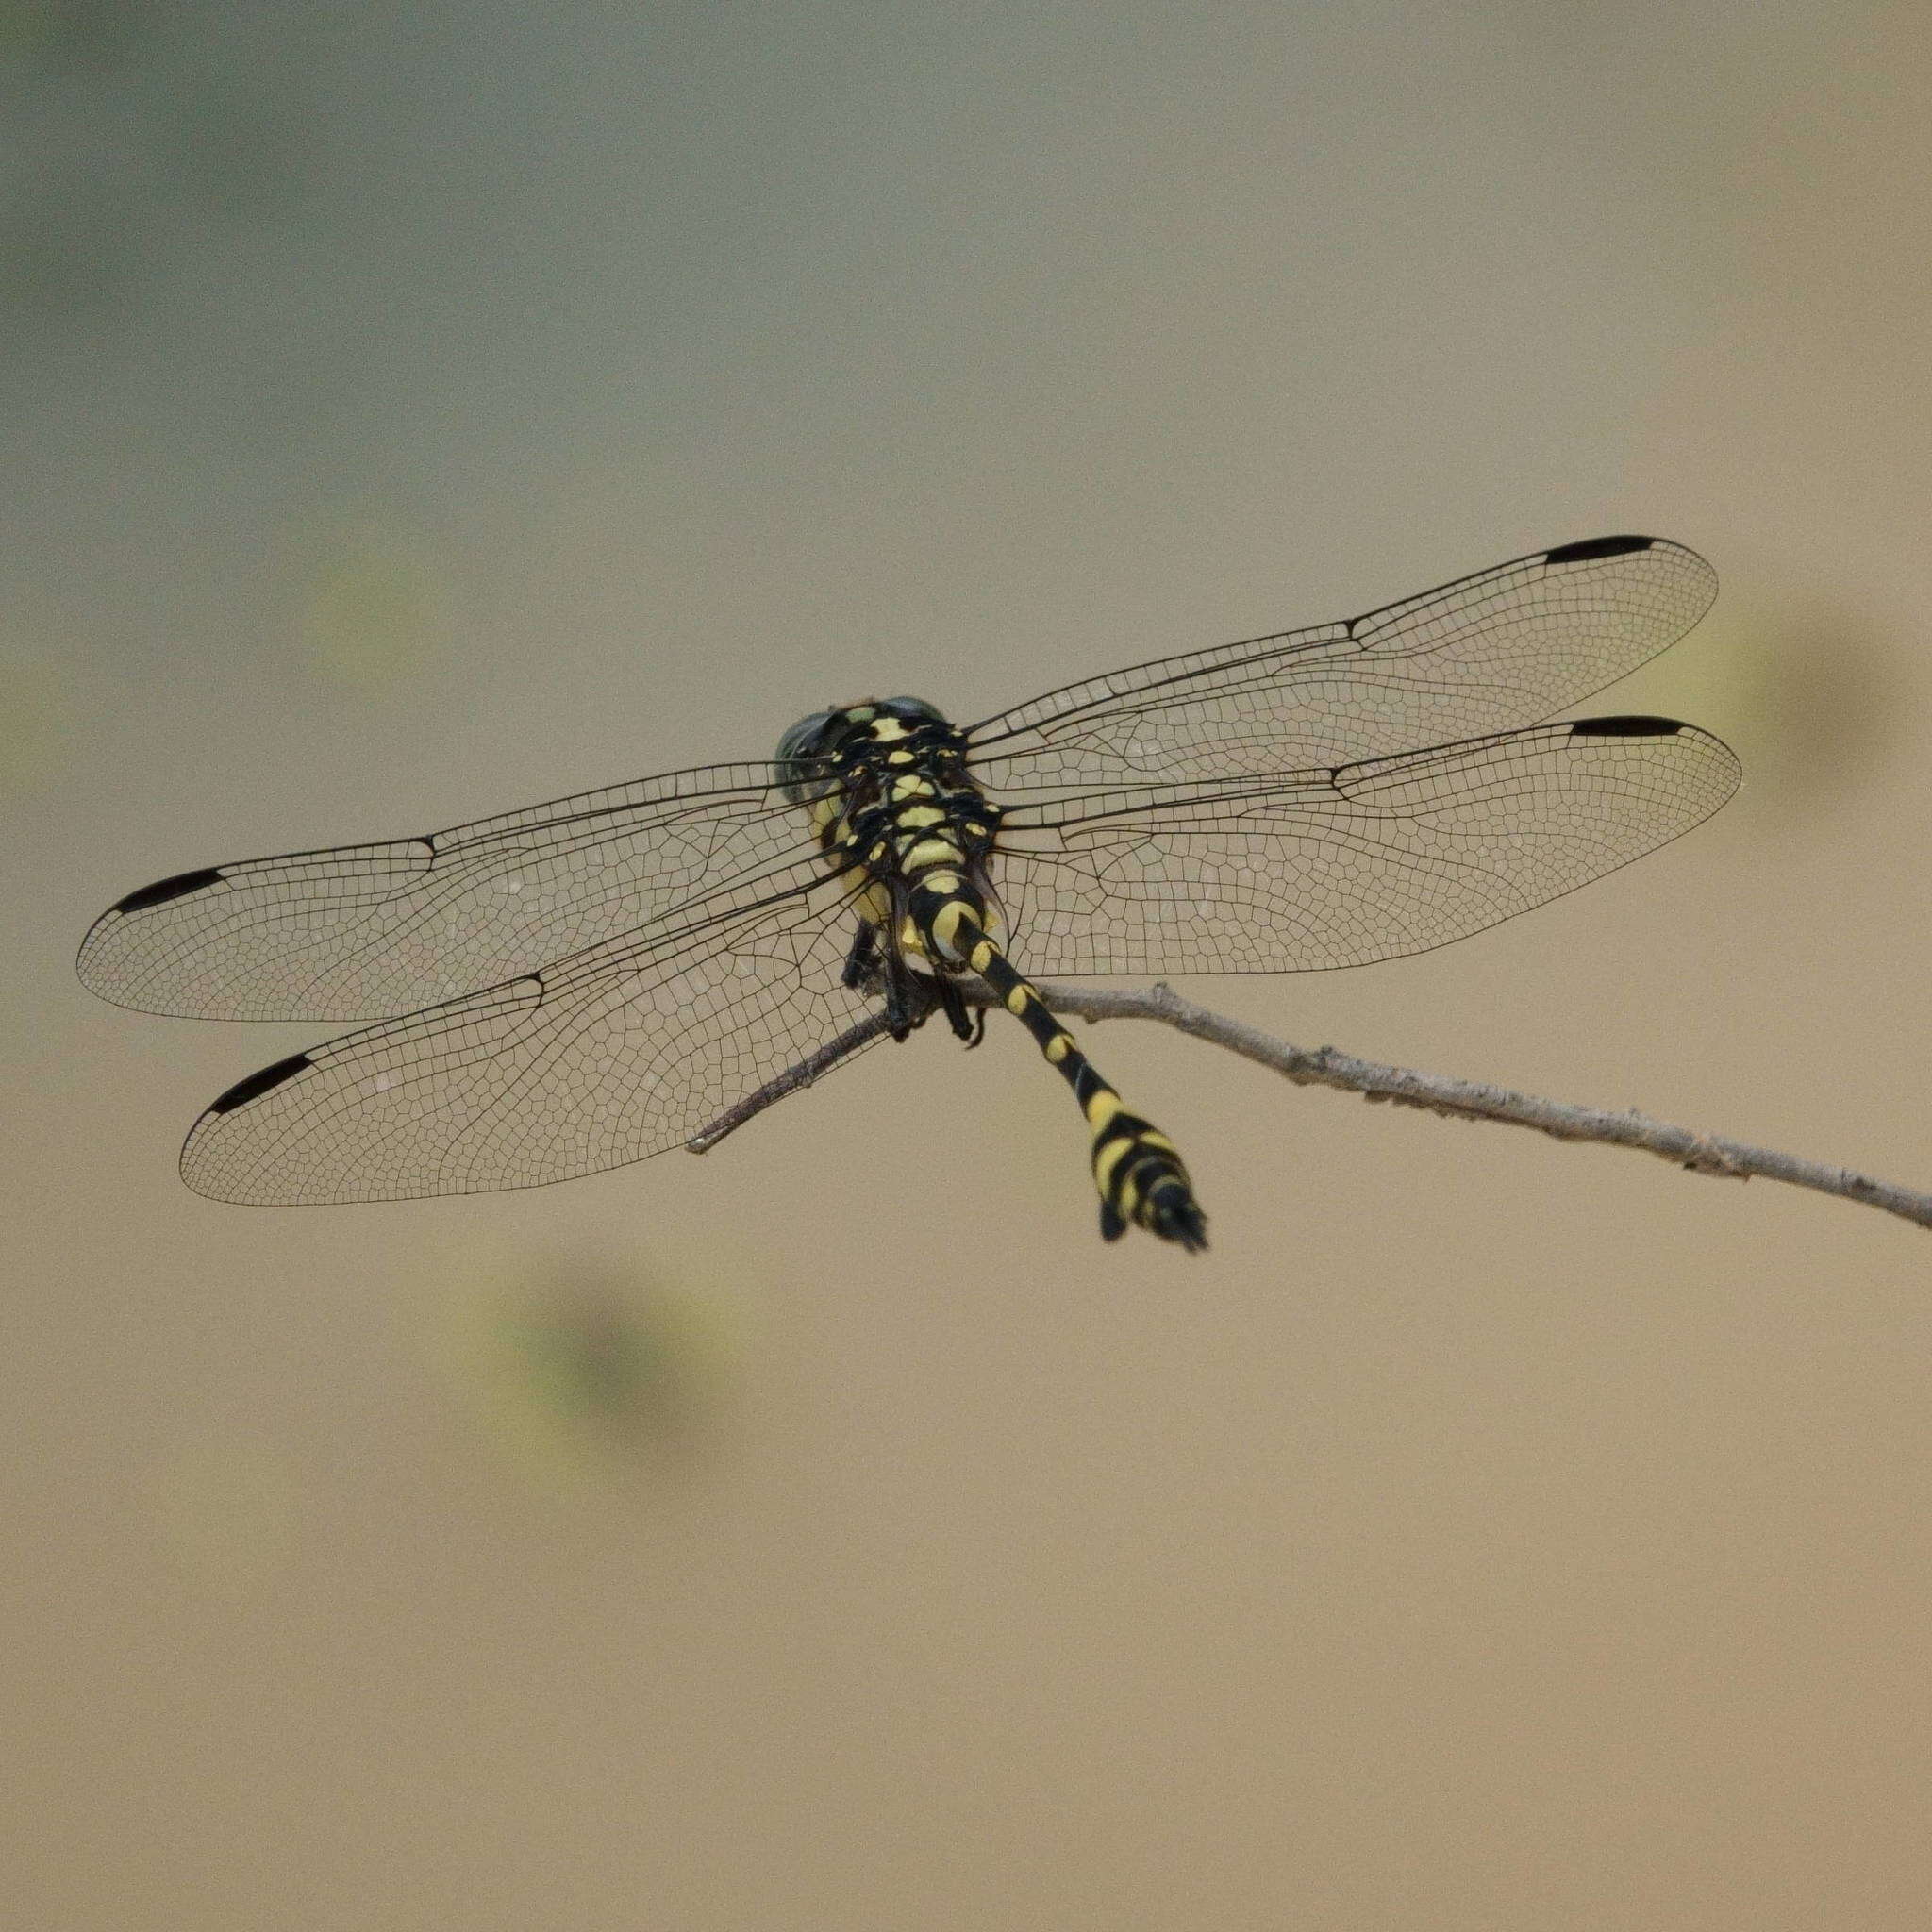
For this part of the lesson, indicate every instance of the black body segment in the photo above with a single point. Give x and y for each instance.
(563, 990)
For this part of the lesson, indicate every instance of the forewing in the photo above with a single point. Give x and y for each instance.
(366, 931)
(619, 1053)
(1504, 648)
(1366, 861)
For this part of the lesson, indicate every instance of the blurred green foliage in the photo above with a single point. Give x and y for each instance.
(579, 1368)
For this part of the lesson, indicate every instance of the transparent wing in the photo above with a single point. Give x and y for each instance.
(1504, 648)
(1365, 861)
(366, 931)
(618, 1053)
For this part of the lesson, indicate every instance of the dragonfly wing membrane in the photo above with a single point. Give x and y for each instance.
(581, 985)
(369, 931)
(1342, 867)
(1504, 648)
(616, 1054)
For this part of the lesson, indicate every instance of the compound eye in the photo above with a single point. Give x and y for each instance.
(799, 750)
(805, 738)
(913, 710)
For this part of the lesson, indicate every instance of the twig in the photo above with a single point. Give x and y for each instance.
(789, 1081)
(1327, 1066)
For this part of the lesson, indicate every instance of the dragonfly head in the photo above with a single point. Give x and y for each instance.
(806, 752)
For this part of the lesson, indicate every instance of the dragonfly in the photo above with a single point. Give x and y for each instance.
(573, 986)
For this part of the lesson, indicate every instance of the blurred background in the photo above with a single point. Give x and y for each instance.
(411, 415)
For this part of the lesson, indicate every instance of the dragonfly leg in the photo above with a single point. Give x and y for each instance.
(862, 960)
(870, 968)
(966, 1026)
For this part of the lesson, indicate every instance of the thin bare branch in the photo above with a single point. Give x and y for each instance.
(789, 1081)
(1327, 1066)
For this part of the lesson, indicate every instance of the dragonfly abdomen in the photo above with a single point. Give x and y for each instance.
(1138, 1173)
(901, 817)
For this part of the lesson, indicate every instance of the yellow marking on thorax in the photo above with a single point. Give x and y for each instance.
(916, 817)
(912, 786)
(886, 729)
(931, 852)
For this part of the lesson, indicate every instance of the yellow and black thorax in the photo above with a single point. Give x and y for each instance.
(899, 818)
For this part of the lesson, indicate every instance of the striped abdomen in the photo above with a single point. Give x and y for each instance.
(1138, 1174)
(899, 816)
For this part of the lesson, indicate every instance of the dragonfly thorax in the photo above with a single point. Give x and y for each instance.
(898, 817)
